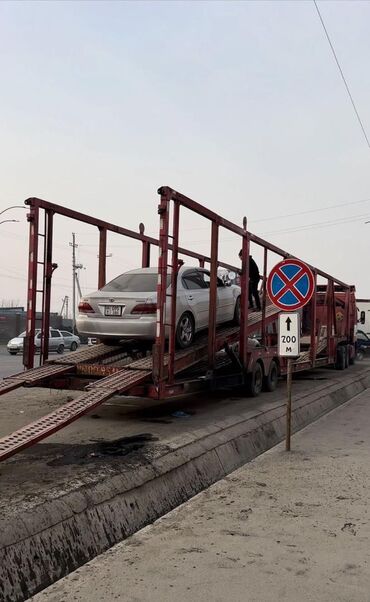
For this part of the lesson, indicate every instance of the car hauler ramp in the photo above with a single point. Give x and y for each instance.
(122, 381)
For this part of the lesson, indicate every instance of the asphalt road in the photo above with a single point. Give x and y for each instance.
(12, 364)
(9, 364)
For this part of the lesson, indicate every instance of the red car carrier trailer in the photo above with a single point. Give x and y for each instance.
(243, 355)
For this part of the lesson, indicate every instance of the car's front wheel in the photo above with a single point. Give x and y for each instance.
(185, 331)
(60, 349)
(73, 346)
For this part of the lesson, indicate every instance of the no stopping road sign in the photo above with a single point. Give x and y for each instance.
(290, 284)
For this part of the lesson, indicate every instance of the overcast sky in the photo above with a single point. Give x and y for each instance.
(238, 105)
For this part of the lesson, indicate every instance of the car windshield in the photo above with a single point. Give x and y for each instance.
(134, 283)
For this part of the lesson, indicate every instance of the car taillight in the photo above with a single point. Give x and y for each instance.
(144, 308)
(85, 308)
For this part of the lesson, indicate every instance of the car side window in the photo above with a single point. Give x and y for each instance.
(193, 280)
(207, 279)
(55, 334)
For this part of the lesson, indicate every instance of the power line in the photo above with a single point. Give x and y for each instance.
(342, 75)
(267, 219)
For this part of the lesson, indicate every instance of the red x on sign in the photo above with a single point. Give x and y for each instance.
(290, 284)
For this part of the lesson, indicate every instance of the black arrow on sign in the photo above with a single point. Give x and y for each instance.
(288, 323)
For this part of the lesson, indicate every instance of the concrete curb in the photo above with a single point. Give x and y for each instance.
(59, 535)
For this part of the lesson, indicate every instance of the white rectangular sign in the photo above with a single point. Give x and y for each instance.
(288, 336)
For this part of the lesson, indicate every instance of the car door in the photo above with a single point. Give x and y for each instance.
(196, 296)
(225, 300)
(55, 339)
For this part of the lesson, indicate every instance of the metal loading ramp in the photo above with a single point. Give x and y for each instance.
(124, 379)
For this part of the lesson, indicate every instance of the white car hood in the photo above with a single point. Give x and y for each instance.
(16, 341)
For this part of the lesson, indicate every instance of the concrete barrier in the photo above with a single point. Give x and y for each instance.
(55, 537)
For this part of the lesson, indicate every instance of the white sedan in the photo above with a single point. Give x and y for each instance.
(126, 307)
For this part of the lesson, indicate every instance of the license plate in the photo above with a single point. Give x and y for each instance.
(113, 310)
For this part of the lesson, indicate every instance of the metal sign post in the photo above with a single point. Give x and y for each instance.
(289, 346)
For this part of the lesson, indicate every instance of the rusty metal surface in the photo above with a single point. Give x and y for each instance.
(122, 380)
(53, 422)
(84, 355)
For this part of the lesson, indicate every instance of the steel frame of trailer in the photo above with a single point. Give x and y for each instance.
(169, 208)
(155, 376)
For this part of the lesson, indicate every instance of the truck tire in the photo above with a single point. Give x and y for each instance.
(346, 355)
(270, 381)
(255, 381)
(340, 363)
(352, 355)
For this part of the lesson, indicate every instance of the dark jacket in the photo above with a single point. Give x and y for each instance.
(254, 274)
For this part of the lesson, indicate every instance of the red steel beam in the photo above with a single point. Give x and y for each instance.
(48, 271)
(197, 208)
(102, 273)
(264, 291)
(173, 297)
(29, 350)
(313, 321)
(87, 219)
(244, 298)
(213, 297)
(159, 347)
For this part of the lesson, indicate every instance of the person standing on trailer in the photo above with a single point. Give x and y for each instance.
(254, 278)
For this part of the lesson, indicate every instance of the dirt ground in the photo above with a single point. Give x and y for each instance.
(287, 526)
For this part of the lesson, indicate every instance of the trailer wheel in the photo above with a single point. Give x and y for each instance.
(185, 331)
(340, 363)
(352, 355)
(270, 381)
(236, 319)
(255, 381)
(346, 355)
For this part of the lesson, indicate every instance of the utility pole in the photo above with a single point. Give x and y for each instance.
(74, 246)
(75, 280)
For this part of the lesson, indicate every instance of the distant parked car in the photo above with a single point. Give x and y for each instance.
(71, 341)
(56, 342)
(126, 307)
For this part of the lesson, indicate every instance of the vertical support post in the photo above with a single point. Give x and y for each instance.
(29, 342)
(145, 254)
(334, 306)
(263, 326)
(159, 347)
(289, 406)
(201, 262)
(213, 297)
(244, 298)
(172, 334)
(48, 271)
(328, 319)
(102, 275)
(313, 322)
(145, 251)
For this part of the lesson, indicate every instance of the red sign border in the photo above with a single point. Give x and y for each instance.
(311, 280)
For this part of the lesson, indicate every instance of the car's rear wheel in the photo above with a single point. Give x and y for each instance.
(185, 331)
(60, 349)
(73, 346)
(236, 319)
